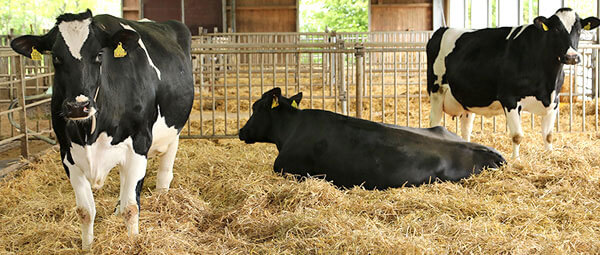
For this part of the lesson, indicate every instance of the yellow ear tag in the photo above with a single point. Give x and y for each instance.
(544, 27)
(35, 55)
(275, 103)
(119, 51)
(588, 26)
(294, 104)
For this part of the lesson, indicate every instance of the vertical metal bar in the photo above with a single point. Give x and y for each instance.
(395, 89)
(571, 74)
(274, 70)
(286, 73)
(370, 85)
(20, 69)
(201, 72)
(382, 87)
(250, 86)
(420, 90)
(225, 89)
(237, 88)
(212, 84)
(310, 76)
(406, 54)
(323, 60)
(342, 93)
(359, 79)
(262, 73)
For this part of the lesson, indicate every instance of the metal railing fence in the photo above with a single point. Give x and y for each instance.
(391, 79)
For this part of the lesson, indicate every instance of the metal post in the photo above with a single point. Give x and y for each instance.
(20, 71)
(359, 53)
(341, 85)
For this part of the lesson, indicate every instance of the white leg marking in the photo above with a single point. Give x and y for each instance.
(165, 169)
(437, 103)
(141, 43)
(84, 198)
(513, 120)
(133, 171)
(75, 33)
(466, 125)
(547, 125)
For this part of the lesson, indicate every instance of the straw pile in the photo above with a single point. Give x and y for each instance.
(226, 199)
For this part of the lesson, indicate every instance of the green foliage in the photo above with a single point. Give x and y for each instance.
(338, 15)
(33, 16)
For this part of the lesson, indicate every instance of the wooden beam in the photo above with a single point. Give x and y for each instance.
(265, 7)
(414, 5)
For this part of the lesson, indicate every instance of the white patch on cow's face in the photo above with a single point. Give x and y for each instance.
(141, 43)
(75, 33)
(568, 18)
(81, 99)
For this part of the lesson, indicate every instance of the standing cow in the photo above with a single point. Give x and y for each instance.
(503, 70)
(123, 91)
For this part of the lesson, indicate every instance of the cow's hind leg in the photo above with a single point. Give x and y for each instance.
(86, 209)
(547, 125)
(436, 99)
(132, 177)
(466, 125)
(513, 119)
(165, 169)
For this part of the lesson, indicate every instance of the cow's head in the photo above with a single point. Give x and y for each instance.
(78, 46)
(564, 28)
(269, 115)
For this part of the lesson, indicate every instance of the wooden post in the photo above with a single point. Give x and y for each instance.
(224, 15)
(20, 71)
(359, 78)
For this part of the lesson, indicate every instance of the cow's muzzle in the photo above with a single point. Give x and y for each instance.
(78, 110)
(243, 134)
(571, 58)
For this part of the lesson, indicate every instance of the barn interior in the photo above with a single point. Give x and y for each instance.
(225, 197)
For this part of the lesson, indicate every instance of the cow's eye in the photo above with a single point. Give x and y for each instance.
(98, 58)
(56, 60)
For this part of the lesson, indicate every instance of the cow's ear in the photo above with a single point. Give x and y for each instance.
(541, 22)
(27, 44)
(296, 100)
(590, 23)
(123, 41)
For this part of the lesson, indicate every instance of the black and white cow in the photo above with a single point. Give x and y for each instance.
(123, 91)
(350, 151)
(503, 70)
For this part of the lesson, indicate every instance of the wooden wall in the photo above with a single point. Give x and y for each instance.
(264, 15)
(131, 9)
(400, 15)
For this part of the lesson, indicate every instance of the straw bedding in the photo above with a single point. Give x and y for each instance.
(226, 199)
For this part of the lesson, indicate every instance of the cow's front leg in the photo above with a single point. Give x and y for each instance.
(165, 168)
(132, 178)
(466, 125)
(86, 209)
(547, 126)
(513, 119)
(436, 99)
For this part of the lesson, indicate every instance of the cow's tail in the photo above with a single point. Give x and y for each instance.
(432, 50)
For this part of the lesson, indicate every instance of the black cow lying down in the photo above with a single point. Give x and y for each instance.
(350, 151)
